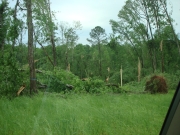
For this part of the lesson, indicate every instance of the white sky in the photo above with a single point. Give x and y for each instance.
(92, 13)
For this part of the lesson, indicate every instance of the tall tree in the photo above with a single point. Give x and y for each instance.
(52, 36)
(69, 37)
(98, 37)
(44, 25)
(15, 27)
(163, 2)
(138, 19)
(30, 47)
(3, 23)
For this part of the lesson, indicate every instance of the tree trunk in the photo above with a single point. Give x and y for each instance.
(174, 34)
(54, 50)
(3, 28)
(52, 37)
(30, 48)
(100, 62)
(153, 55)
(15, 34)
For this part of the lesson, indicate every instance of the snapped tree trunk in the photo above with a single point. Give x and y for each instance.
(30, 48)
(100, 63)
(52, 37)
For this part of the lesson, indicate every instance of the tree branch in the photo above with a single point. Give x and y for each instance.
(43, 49)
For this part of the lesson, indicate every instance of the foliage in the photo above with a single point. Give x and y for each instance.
(94, 86)
(11, 78)
(143, 31)
(142, 24)
(4, 23)
(98, 36)
(57, 80)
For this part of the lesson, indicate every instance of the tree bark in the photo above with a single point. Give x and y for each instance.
(3, 28)
(52, 37)
(153, 54)
(15, 34)
(100, 62)
(30, 47)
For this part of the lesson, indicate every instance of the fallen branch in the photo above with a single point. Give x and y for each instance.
(38, 71)
(43, 49)
(21, 89)
(69, 86)
(85, 79)
(41, 86)
(115, 85)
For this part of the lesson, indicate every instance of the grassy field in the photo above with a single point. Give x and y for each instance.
(108, 114)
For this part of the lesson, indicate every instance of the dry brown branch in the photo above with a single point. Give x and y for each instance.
(21, 89)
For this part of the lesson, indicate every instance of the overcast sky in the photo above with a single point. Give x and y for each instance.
(93, 13)
(90, 13)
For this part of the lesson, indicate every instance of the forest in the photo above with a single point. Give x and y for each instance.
(118, 83)
(144, 42)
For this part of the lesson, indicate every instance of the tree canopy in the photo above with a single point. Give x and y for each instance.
(143, 36)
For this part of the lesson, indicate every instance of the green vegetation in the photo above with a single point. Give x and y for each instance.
(11, 79)
(108, 114)
(143, 43)
(66, 87)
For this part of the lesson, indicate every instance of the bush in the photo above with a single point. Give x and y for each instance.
(172, 79)
(94, 85)
(156, 84)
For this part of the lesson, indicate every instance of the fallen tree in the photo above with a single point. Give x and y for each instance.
(20, 90)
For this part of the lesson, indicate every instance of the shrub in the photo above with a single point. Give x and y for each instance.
(172, 79)
(156, 84)
(93, 85)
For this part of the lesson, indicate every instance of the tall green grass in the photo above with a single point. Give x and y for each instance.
(109, 114)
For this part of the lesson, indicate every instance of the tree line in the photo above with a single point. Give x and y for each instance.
(143, 36)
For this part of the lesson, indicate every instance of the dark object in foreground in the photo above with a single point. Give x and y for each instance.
(156, 84)
(172, 120)
(111, 85)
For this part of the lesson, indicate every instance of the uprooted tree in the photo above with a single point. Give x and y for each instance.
(156, 84)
